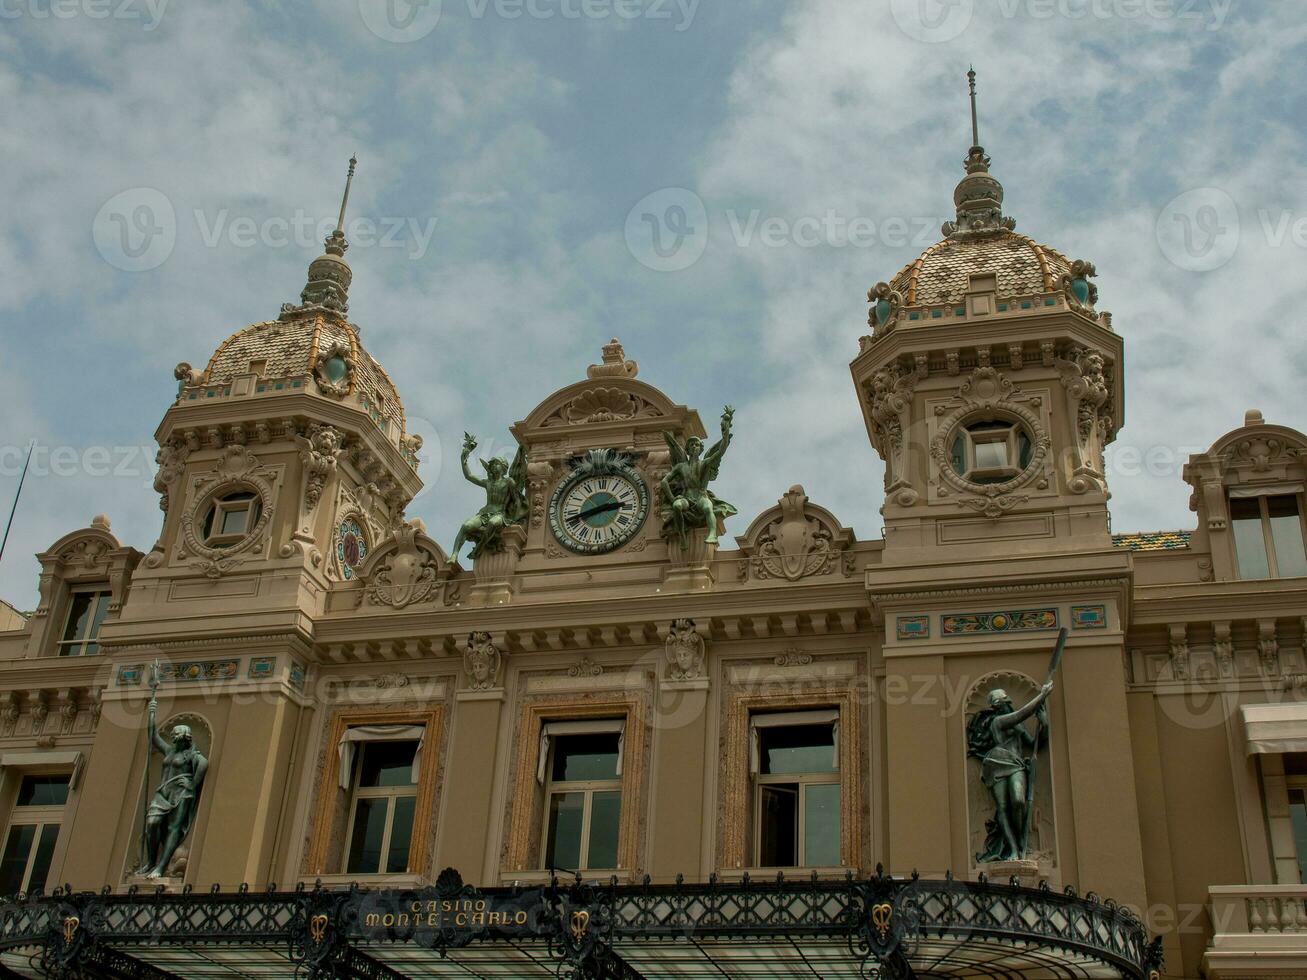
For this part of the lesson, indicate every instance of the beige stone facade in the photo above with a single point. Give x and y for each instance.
(290, 602)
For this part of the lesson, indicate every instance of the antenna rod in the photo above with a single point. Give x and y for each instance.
(17, 493)
(349, 179)
(971, 84)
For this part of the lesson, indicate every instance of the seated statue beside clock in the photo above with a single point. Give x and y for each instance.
(506, 502)
(685, 502)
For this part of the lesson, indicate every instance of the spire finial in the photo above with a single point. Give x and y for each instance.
(971, 86)
(349, 179)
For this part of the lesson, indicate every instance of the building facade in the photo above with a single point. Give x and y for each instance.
(605, 689)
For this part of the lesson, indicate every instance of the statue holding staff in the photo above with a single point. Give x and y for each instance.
(1008, 751)
(171, 811)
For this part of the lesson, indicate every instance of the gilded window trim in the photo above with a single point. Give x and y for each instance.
(522, 815)
(324, 826)
(736, 811)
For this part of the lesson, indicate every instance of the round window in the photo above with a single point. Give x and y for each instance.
(990, 451)
(231, 517)
(351, 546)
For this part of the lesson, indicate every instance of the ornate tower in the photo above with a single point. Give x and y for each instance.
(283, 461)
(990, 385)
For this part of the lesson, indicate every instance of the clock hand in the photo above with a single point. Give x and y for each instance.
(600, 509)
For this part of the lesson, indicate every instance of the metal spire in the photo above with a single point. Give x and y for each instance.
(353, 162)
(971, 85)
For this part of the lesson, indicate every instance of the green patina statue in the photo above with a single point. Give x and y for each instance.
(1008, 750)
(685, 502)
(171, 812)
(506, 502)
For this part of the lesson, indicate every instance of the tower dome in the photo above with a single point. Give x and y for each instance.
(311, 348)
(981, 242)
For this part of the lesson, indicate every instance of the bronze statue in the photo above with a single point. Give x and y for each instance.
(171, 812)
(506, 502)
(685, 502)
(1007, 751)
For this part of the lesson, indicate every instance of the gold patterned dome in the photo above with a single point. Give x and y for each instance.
(311, 348)
(315, 352)
(981, 242)
(1020, 265)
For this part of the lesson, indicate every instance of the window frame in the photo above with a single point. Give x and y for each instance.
(221, 506)
(733, 846)
(77, 647)
(523, 853)
(390, 794)
(553, 731)
(39, 817)
(814, 718)
(327, 844)
(1268, 537)
(1008, 437)
(1297, 784)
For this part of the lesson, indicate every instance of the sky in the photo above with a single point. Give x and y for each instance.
(167, 165)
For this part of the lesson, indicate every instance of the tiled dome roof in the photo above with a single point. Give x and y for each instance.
(942, 273)
(292, 348)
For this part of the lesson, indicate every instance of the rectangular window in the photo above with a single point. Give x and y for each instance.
(794, 760)
(583, 793)
(1268, 536)
(382, 807)
(33, 833)
(82, 630)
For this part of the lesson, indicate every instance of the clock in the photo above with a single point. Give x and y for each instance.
(600, 505)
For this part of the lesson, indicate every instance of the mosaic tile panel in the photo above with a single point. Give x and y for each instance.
(1002, 621)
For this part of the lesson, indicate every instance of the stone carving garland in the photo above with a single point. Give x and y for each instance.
(987, 393)
(890, 396)
(318, 454)
(1089, 403)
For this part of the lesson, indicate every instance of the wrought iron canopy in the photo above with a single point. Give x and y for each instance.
(878, 927)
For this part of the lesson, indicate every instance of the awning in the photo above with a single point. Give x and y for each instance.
(1275, 728)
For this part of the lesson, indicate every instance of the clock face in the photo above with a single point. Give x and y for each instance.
(595, 513)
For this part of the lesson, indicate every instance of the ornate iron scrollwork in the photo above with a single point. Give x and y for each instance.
(318, 938)
(883, 917)
(582, 940)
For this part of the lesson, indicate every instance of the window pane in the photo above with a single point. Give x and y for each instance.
(585, 756)
(821, 825)
(1286, 535)
(563, 849)
(991, 455)
(43, 791)
(365, 842)
(1249, 544)
(234, 521)
(797, 748)
(1298, 816)
(14, 863)
(78, 615)
(401, 833)
(605, 815)
(101, 607)
(44, 852)
(387, 763)
(778, 826)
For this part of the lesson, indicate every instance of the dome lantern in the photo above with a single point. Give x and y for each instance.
(329, 274)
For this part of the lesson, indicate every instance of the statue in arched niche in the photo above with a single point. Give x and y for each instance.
(999, 736)
(171, 811)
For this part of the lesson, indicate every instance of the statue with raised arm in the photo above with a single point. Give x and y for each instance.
(506, 502)
(999, 737)
(685, 502)
(171, 812)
